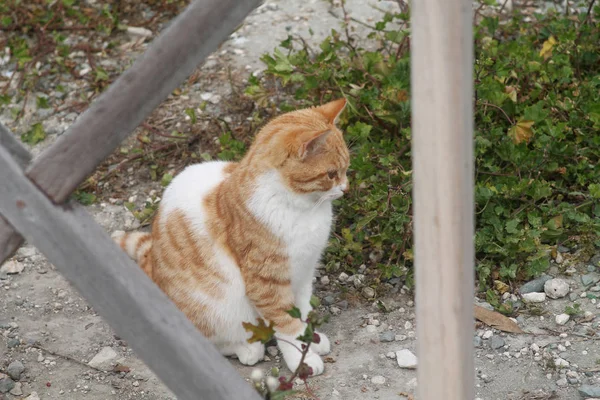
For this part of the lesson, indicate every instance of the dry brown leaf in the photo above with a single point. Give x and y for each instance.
(521, 131)
(496, 320)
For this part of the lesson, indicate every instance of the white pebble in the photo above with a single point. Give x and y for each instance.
(556, 288)
(406, 359)
(487, 335)
(378, 380)
(562, 319)
(534, 297)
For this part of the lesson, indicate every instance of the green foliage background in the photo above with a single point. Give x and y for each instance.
(537, 140)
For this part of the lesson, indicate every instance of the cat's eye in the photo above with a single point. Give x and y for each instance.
(332, 174)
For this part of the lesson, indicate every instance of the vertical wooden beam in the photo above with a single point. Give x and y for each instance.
(442, 132)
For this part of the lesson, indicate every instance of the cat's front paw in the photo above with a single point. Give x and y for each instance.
(292, 356)
(323, 347)
(250, 353)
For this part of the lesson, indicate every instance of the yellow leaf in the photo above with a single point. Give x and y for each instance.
(521, 132)
(501, 287)
(547, 47)
(558, 221)
(511, 92)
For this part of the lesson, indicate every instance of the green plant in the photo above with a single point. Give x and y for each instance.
(278, 387)
(537, 140)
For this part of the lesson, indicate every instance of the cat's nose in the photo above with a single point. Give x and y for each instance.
(345, 187)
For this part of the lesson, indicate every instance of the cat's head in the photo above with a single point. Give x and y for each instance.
(308, 151)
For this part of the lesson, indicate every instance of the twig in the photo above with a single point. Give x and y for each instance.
(483, 103)
(37, 346)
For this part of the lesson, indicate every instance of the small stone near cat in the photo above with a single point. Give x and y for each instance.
(104, 359)
(497, 342)
(387, 336)
(15, 369)
(562, 319)
(272, 350)
(368, 292)
(12, 267)
(556, 288)
(406, 359)
(534, 297)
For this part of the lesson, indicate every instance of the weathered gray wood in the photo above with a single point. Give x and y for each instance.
(16, 149)
(10, 240)
(442, 132)
(167, 62)
(134, 306)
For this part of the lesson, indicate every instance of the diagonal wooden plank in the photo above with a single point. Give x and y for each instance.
(134, 306)
(123, 106)
(10, 240)
(168, 61)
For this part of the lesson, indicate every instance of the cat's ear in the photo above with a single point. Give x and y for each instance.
(311, 143)
(333, 110)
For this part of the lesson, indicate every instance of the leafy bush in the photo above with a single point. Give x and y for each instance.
(537, 140)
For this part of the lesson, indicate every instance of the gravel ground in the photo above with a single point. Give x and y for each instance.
(54, 345)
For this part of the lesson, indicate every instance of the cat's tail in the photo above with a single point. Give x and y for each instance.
(137, 245)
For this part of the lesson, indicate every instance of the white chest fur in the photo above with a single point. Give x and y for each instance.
(295, 219)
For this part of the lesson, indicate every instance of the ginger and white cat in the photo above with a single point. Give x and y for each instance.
(235, 241)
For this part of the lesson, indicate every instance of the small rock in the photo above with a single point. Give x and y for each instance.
(12, 267)
(6, 385)
(13, 343)
(15, 369)
(17, 390)
(33, 396)
(328, 300)
(399, 338)
(590, 279)
(562, 382)
(477, 342)
(343, 304)
(272, 350)
(368, 292)
(556, 288)
(559, 258)
(487, 335)
(391, 355)
(589, 391)
(562, 319)
(536, 285)
(103, 360)
(371, 328)
(378, 380)
(343, 277)
(138, 31)
(325, 280)
(408, 325)
(561, 363)
(406, 359)
(534, 297)
(497, 342)
(335, 310)
(387, 336)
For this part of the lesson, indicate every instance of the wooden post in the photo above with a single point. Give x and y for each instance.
(442, 132)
